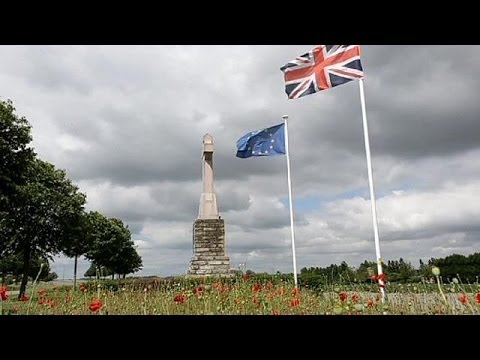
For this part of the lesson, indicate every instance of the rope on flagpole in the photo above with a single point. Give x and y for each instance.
(372, 192)
(285, 118)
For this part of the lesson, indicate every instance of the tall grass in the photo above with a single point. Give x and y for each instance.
(245, 296)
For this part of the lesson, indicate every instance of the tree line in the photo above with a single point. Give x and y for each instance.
(42, 213)
(464, 268)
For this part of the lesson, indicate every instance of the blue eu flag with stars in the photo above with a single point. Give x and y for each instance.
(266, 142)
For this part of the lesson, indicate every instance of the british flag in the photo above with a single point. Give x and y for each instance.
(322, 68)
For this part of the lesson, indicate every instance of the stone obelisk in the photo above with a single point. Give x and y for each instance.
(209, 257)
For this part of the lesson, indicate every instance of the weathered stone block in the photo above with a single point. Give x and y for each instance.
(209, 249)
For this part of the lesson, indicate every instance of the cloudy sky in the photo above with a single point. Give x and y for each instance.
(126, 123)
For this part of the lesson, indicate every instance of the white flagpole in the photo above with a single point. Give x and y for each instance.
(372, 192)
(285, 118)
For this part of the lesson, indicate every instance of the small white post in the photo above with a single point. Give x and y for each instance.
(372, 192)
(285, 118)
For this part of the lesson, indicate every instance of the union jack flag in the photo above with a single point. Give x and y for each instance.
(322, 68)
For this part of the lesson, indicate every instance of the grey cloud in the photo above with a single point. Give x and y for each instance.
(126, 122)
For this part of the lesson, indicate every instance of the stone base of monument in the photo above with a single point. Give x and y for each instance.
(209, 249)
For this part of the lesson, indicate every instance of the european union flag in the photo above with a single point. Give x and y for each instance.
(266, 142)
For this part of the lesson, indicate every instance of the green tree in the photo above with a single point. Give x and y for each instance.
(78, 243)
(15, 157)
(424, 270)
(13, 264)
(456, 265)
(97, 271)
(345, 272)
(406, 271)
(91, 271)
(45, 211)
(98, 233)
(112, 246)
(128, 261)
(366, 270)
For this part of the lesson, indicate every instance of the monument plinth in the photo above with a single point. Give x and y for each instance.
(209, 257)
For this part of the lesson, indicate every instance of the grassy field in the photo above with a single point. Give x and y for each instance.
(240, 296)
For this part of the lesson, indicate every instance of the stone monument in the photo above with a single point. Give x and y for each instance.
(209, 257)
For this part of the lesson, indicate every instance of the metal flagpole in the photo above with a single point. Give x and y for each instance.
(372, 192)
(285, 118)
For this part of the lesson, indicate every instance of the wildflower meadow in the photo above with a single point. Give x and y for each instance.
(241, 295)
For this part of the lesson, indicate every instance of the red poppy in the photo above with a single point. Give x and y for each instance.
(257, 288)
(41, 292)
(246, 277)
(343, 296)
(255, 300)
(355, 297)
(3, 293)
(275, 312)
(52, 303)
(371, 303)
(42, 301)
(179, 299)
(463, 299)
(24, 298)
(281, 292)
(382, 277)
(478, 298)
(83, 288)
(295, 292)
(269, 285)
(199, 290)
(295, 302)
(216, 285)
(95, 305)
